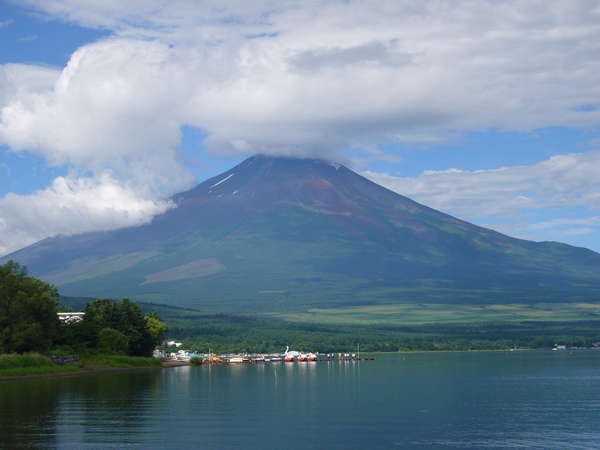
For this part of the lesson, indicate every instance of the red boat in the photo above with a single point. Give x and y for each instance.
(291, 356)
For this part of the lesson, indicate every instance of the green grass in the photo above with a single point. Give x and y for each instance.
(25, 360)
(118, 361)
(432, 313)
(30, 364)
(36, 364)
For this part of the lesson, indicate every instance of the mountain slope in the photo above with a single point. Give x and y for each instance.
(283, 233)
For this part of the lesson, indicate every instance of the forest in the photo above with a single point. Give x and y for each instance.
(29, 321)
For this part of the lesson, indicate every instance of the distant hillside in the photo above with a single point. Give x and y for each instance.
(277, 234)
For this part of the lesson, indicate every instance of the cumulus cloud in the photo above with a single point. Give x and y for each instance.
(297, 78)
(111, 107)
(72, 205)
(560, 182)
(318, 76)
(106, 119)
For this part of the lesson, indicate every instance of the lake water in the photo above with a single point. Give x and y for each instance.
(545, 400)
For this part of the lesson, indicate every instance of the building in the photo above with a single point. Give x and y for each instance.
(70, 317)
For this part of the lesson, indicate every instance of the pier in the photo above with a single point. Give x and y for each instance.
(278, 359)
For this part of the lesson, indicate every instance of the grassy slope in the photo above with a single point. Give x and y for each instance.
(390, 328)
(431, 313)
(291, 259)
(385, 327)
(36, 364)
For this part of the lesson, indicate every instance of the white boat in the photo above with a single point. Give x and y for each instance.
(238, 359)
(290, 355)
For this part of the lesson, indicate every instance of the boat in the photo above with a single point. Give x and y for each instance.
(311, 357)
(238, 359)
(290, 355)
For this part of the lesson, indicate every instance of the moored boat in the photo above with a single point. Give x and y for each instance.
(290, 355)
(238, 359)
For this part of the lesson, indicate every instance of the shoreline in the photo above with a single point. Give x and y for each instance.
(171, 363)
(84, 372)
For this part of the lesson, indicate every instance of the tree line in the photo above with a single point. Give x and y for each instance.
(29, 321)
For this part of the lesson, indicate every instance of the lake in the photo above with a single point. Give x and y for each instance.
(529, 399)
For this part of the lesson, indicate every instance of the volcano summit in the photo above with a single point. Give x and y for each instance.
(282, 233)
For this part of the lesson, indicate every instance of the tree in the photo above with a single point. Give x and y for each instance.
(28, 320)
(112, 341)
(156, 327)
(143, 332)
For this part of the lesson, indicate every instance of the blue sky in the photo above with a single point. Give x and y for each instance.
(488, 113)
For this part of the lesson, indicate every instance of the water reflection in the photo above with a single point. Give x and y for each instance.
(57, 412)
(27, 414)
(419, 401)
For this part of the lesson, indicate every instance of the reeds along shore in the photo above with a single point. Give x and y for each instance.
(35, 364)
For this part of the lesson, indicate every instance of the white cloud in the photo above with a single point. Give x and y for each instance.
(304, 78)
(567, 180)
(114, 106)
(107, 116)
(578, 231)
(323, 75)
(559, 183)
(72, 205)
(595, 221)
(28, 38)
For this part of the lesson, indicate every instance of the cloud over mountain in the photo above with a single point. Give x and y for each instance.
(295, 78)
(290, 77)
(488, 196)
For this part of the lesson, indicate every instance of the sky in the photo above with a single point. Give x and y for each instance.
(486, 110)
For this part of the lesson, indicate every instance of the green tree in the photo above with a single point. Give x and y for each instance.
(155, 327)
(112, 341)
(28, 320)
(143, 333)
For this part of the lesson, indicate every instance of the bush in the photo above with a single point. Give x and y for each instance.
(25, 360)
(112, 341)
(28, 320)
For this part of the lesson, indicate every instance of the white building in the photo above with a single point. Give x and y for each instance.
(70, 317)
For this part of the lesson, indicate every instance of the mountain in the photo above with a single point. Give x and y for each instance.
(276, 234)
